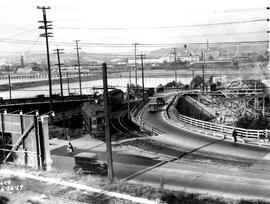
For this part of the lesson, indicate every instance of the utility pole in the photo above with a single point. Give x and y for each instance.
(107, 123)
(142, 57)
(79, 65)
(9, 86)
(268, 31)
(135, 66)
(128, 92)
(68, 83)
(203, 70)
(58, 52)
(175, 71)
(47, 25)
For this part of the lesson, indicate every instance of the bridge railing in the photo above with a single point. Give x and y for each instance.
(225, 129)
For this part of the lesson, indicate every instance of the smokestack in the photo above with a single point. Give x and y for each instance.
(22, 62)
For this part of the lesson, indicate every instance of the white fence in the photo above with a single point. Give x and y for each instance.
(241, 132)
(136, 113)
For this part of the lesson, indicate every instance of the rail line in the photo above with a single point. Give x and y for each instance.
(122, 126)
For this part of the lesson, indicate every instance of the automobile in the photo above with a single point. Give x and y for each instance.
(88, 163)
(160, 101)
(152, 106)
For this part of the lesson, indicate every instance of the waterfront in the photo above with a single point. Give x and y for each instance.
(120, 83)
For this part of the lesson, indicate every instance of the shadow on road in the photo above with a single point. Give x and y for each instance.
(171, 160)
(124, 164)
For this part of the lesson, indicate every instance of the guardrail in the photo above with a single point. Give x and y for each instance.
(225, 129)
(136, 113)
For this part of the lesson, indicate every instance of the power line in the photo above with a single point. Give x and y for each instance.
(115, 45)
(165, 27)
(173, 36)
(27, 52)
(21, 33)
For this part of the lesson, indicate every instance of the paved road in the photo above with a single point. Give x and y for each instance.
(201, 175)
(239, 181)
(195, 142)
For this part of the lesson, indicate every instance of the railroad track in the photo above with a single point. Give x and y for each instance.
(124, 127)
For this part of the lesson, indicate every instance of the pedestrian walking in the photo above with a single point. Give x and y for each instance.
(234, 134)
(70, 148)
(264, 135)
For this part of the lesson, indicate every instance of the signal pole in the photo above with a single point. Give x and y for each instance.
(58, 52)
(79, 65)
(47, 25)
(142, 57)
(175, 71)
(107, 123)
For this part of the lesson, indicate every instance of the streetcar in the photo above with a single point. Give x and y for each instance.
(152, 106)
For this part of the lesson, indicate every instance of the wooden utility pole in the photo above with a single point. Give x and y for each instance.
(175, 70)
(107, 123)
(203, 66)
(142, 57)
(58, 52)
(128, 92)
(68, 84)
(79, 66)
(9, 86)
(135, 66)
(47, 25)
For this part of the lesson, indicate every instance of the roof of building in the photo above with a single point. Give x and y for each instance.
(93, 109)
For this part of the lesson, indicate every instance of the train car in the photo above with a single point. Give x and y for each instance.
(116, 96)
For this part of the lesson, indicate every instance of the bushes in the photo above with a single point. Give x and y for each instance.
(248, 122)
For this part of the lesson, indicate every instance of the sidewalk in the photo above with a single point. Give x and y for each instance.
(84, 142)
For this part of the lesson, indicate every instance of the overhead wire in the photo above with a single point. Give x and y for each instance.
(27, 52)
(20, 33)
(163, 27)
(85, 44)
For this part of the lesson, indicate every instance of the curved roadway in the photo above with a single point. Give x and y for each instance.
(195, 142)
(252, 181)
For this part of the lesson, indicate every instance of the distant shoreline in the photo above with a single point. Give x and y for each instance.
(148, 74)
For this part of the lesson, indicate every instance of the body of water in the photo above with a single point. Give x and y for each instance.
(120, 83)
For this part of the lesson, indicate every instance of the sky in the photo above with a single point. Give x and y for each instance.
(114, 25)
